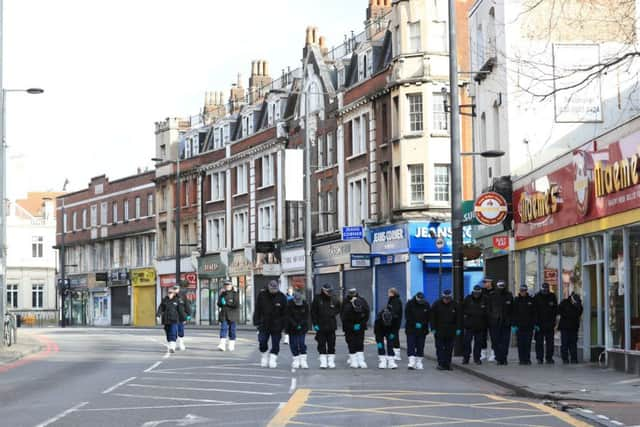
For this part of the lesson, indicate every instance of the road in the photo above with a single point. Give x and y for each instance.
(124, 377)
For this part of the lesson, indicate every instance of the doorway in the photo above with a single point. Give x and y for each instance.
(594, 280)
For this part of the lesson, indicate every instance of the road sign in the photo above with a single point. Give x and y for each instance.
(440, 243)
(352, 233)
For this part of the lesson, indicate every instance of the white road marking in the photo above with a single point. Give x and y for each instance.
(618, 423)
(293, 385)
(62, 415)
(243, 366)
(197, 380)
(200, 374)
(186, 399)
(187, 420)
(602, 417)
(587, 411)
(121, 383)
(152, 367)
(634, 380)
(254, 406)
(201, 389)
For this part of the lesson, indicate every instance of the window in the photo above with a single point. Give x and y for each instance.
(240, 229)
(195, 145)
(241, 178)
(441, 183)
(267, 170)
(94, 215)
(104, 206)
(266, 223)
(227, 132)
(37, 246)
(84, 218)
(292, 231)
(440, 122)
(331, 149)
(187, 148)
(165, 199)
(138, 207)
(114, 208)
(217, 138)
(358, 201)
(12, 295)
(37, 295)
(163, 151)
(322, 216)
(358, 131)
(415, 44)
(126, 210)
(331, 223)
(415, 112)
(217, 186)
(150, 207)
(416, 182)
(74, 223)
(396, 41)
(321, 148)
(215, 234)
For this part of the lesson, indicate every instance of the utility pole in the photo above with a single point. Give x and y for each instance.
(63, 283)
(3, 193)
(308, 267)
(456, 188)
(177, 221)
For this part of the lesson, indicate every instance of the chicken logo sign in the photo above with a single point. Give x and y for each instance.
(491, 208)
(581, 182)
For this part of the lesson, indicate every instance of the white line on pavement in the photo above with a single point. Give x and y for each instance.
(186, 399)
(200, 374)
(62, 415)
(201, 389)
(152, 367)
(173, 380)
(293, 385)
(121, 383)
(235, 366)
(203, 405)
(635, 380)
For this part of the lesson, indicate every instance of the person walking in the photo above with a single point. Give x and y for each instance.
(417, 316)
(570, 311)
(500, 309)
(170, 311)
(289, 298)
(446, 324)
(185, 317)
(523, 320)
(228, 304)
(297, 327)
(394, 304)
(355, 316)
(384, 329)
(474, 314)
(546, 304)
(486, 353)
(324, 310)
(270, 317)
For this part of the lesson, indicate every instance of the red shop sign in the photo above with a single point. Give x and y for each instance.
(169, 280)
(501, 242)
(593, 182)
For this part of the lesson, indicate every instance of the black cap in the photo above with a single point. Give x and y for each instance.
(420, 296)
(227, 283)
(501, 284)
(386, 317)
(274, 286)
(477, 288)
(326, 288)
(524, 288)
(545, 286)
(357, 305)
(447, 293)
(298, 299)
(353, 292)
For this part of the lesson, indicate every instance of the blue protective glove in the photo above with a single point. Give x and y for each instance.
(391, 336)
(536, 328)
(223, 301)
(458, 332)
(188, 318)
(299, 327)
(380, 345)
(356, 327)
(514, 329)
(418, 325)
(433, 331)
(316, 328)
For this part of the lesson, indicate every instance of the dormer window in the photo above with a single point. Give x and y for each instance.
(195, 145)
(247, 125)
(187, 148)
(217, 137)
(226, 133)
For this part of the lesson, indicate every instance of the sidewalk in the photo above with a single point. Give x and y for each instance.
(27, 344)
(585, 381)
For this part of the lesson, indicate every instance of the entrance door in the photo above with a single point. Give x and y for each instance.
(144, 301)
(594, 308)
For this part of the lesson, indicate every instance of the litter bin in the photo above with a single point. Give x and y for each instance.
(18, 320)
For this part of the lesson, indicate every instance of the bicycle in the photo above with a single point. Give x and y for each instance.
(9, 330)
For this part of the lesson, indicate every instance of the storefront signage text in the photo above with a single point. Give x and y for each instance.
(538, 205)
(491, 208)
(388, 236)
(616, 176)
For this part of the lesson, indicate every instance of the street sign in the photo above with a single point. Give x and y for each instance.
(491, 208)
(440, 243)
(360, 260)
(352, 233)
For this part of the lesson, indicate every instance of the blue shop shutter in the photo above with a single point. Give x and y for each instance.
(387, 277)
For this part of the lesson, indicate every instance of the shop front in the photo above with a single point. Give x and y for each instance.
(332, 265)
(120, 288)
(77, 300)
(143, 283)
(293, 267)
(267, 265)
(211, 272)
(99, 300)
(577, 222)
(390, 258)
(241, 274)
(188, 289)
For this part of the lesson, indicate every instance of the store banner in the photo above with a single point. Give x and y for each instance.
(423, 236)
(389, 239)
(143, 277)
(211, 266)
(593, 182)
(292, 259)
(169, 280)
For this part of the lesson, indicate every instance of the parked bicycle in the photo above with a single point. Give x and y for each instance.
(10, 330)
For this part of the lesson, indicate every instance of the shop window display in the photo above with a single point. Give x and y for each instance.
(531, 269)
(571, 269)
(550, 262)
(634, 291)
(616, 290)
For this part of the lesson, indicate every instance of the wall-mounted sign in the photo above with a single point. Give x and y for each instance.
(143, 277)
(501, 242)
(352, 233)
(360, 260)
(491, 208)
(538, 205)
(389, 239)
(293, 259)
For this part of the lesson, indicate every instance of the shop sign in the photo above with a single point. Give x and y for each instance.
(271, 269)
(491, 208)
(338, 253)
(77, 281)
(143, 277)
(352, 233)
(389, 239)
(539, 205)
(501, 243)
(211, 266)
(293, 259)
(468, 214)
(240, 265)
(360, 260)
(390, 259)
(169, 280)
(423, 236)
(593, 182)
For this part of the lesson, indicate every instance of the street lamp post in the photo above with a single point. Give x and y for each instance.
(3, 188)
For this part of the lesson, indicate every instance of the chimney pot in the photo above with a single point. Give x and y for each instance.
(265, 65)
(254, 68)
(315, 35)
(309, 39)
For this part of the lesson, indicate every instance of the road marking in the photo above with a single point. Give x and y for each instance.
(558, 414)
(187, 420)
(293, 385)
(168, 371)
(201, 389)
(213, 381)
(186, 399)
(49, 347)
(618, 423)
(152, 367)
(121, 383)
(286, 414)
(203, 405)
(635, 380)
(62, 415)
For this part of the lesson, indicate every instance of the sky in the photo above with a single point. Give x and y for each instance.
(112, 68)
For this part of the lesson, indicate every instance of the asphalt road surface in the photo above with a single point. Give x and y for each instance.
(124, 377)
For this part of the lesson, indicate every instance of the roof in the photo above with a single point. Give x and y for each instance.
(34, 200)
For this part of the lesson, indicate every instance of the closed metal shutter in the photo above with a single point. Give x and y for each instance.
(120, 304)
(387, 277)
(331, 278)
(362, 280)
